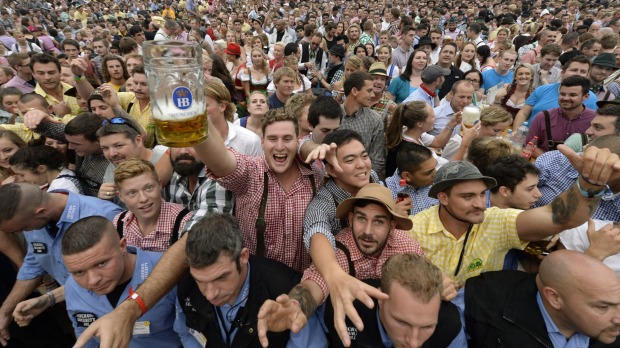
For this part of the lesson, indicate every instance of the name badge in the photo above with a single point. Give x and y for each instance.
(39, 248)
(142, 328)
(84, 319)
(199, 337)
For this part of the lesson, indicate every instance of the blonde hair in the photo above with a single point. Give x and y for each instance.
(415, 273)
(132, 168)
(484, 151)
(284, 71)
(297, 102)
(217, 91)
(265, 67)
(494, 115)
(355, 61)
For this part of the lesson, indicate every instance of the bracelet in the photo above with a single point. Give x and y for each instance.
(51, 298)
(138, 299)
(450, 128)
(590, 194)
(589, 182)
(77, 78)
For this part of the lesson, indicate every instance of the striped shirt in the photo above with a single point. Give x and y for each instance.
(321, 212)
(486, 247)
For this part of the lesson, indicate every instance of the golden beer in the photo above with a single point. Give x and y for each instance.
(471, 114)
(182, 133)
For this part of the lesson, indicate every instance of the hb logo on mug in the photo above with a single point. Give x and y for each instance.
(182, 98)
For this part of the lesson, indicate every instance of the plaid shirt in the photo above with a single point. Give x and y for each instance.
(208, 196)
(384, 107)
(284, 212)
(366, 267)
(158, 239)
(369, 125)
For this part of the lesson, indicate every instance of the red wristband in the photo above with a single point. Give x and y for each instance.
(138, 299)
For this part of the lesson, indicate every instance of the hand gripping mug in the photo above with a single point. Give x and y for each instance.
(175, 78)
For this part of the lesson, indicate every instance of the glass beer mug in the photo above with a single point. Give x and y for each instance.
(175, 77)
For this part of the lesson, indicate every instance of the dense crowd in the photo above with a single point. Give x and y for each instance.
(378, 174)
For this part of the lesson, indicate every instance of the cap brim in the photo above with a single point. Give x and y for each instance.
(603, 103)
(442, 186)
(343, 209)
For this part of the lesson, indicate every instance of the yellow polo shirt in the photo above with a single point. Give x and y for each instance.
(143, 117)
(70, 101)
(486, 247)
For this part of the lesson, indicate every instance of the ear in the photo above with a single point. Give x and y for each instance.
(139, 140)
(244, 257)
(504, 191)
(123, 245)
(443, 198)
(406, 175)
(330, 170)
(42, 168)
(552, 296)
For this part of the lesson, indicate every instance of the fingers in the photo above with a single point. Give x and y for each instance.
(591, 226)
(340, 326)
(576, 160)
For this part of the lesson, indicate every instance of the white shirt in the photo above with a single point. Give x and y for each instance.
(577, 239)
(243, 140)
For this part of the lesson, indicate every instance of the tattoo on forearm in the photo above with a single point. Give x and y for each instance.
(564, 206)
(305, 299)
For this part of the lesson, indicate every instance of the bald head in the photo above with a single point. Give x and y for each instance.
(568, 269)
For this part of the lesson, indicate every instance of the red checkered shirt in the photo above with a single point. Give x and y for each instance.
(284, 213)
(158, 239)
(366, 267)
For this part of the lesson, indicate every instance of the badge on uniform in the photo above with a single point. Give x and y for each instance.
(199, 337)
(142, 328)
(39, 248)
(84, 319)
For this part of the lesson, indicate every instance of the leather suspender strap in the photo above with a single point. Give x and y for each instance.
(120, 224)
(552, 144)
(260, 224)
(346, 252)
(174, 236)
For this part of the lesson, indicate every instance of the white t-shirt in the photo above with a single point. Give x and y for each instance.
(577, 239)
(243, 140)
(63, 182)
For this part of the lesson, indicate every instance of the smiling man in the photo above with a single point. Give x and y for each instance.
(46, 70)
(150, 223)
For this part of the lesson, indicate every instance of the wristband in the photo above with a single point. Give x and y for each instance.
(589, 194)
(138, 299)
(51, 298)
(77, 78)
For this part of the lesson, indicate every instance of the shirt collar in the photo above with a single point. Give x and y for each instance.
(385, 338)
(578, 339)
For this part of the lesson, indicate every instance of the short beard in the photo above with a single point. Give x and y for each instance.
(184, 169)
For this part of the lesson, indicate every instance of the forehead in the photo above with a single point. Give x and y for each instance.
(138, 180)
(47, 66)
(469, 186)
(350, 148)
(113, 138)
(285, 127)
(372, 209)
(210, 273)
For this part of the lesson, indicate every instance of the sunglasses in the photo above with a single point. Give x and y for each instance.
(120, 120)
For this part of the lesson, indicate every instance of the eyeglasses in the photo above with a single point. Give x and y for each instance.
(472, 81)
(120, 120)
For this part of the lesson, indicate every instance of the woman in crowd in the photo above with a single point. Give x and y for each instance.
(257, 108)
(22, 44)
(484, 151)
(384, 55)
(503, 34)
(246, 46)
(410, 79)
(9, 144)
(302, 84)
(339, 29)
(370, 49)
(475, 78)
(44, 166)
(493, 123)
(416, 118)
(278, 57)
(351, 65)
(512, 97)
(256, 76)
(220, 71)
(485, 59)
(466, 59)
(360, 51)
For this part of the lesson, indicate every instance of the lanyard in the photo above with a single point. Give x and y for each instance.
(458, 265)
(228, 332)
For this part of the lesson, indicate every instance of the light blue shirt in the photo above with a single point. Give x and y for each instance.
(44, 255)
(493, 80)
(419, 196)
(229, 313)
(84, 307)
(578, 340)
(546, 97)
(421, 95)
(443, 114)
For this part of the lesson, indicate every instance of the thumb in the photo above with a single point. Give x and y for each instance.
(572, 156)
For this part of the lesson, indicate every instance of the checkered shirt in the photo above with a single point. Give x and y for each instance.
(369, 125)
(557, 175)
(158, 239)
(486, 247)
(366, 267)
(384, 107)
(284, 212)
(321, 212)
